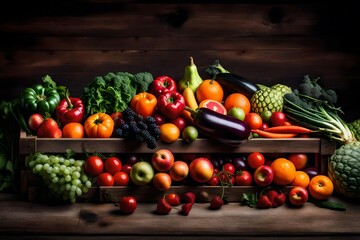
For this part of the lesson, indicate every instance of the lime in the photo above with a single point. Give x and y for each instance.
(190, 133)
(237, 112)
(266, 115)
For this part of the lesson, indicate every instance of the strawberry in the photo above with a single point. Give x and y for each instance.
(163, 207)
(216, 202)
(272, 194)
(279, 200)
(263, 202)
(185, 208)
(188, 197)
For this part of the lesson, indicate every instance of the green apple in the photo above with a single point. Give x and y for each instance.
(237, 113)
(266, 115)
(141, 173)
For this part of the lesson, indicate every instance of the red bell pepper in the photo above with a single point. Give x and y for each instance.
(161, 85)
(70, 109)
(171, 105)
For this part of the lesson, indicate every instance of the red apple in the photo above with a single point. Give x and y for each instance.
(278, 118)
(243, 178)
(201, 170)
(162, 181)
(162, 160)
(298, 196)
(35, 120)
(179, 171)
(263, 175)
(299, 160)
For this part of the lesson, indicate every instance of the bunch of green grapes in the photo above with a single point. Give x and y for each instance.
(65, 177)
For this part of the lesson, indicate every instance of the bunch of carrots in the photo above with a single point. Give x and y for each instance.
(286, 131)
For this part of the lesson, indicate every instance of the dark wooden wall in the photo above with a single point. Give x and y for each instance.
(268, 43)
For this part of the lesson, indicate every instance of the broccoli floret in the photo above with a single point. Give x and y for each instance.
(143, 80)
(214, 69)
(331, 96)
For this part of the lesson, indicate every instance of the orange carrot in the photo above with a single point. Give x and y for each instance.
(265, 134)
(288, 129)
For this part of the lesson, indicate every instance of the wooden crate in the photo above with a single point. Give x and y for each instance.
(321, 148)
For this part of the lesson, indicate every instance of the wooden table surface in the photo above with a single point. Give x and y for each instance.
(26, 220)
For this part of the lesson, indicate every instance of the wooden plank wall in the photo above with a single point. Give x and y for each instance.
(266, 42)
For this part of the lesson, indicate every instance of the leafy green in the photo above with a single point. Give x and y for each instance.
(249, 199)
(314, 107)
(114, 91)
(9, 139)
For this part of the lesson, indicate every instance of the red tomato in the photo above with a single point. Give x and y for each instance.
(214, 181)
(94, 166)
(128, 204)
(254, 120)
(228, 167)
(105, 179)
(255, 160)
(113, 165)
(173, 199)
(121, 179)
(244, 178)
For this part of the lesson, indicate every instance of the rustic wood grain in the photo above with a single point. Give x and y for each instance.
(265, 42)
(231, 220)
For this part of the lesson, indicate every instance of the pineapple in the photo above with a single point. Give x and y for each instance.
(267, 99)
(282, 88)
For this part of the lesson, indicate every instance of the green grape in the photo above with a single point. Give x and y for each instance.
(46, 166)
(78, 191)
(88, 184)
(76, 182)
(75, 175)
(62, 168)
(65, 178)
(39, 167)
(78, 163)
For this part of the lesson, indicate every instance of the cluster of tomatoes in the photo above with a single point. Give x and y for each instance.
(109, 171)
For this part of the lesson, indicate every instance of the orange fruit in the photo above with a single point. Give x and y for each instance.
(237, 100)
(209, 89)
(169, 132)
(73, 130)
(284, 171)
(254, 120)
(301, 179)
(213, 105)
(321, 187)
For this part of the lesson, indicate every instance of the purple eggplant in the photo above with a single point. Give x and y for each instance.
(236, 83)
(224, 128)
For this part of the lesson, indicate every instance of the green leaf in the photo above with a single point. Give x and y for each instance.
(10, 167)
(3, 160)
(329, 204)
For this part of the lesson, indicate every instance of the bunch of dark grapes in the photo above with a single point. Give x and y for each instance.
(135, 126)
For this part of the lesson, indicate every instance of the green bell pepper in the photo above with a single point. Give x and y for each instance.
(40, 99)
